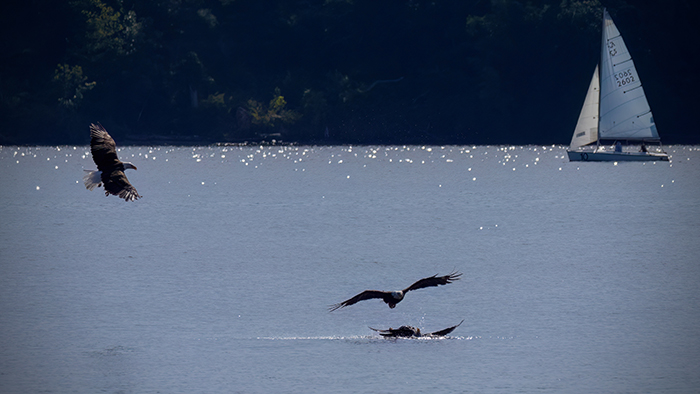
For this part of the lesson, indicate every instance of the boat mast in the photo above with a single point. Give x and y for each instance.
(597, 138)
(600, 69)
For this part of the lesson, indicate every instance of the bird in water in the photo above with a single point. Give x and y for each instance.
(408, 331)
(394, 297)
(110, 170)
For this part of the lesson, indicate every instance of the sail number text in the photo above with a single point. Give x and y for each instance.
(624, 78)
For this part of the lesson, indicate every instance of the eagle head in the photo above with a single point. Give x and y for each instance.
(398, 295)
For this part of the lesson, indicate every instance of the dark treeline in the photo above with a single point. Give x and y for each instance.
(336, 71)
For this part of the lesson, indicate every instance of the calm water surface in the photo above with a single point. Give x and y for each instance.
(578, 277)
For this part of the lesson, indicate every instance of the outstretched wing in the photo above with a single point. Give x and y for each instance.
(365, 295)
(103, 148)
(446, 331)
(382, 332)
(118, 185)
(403, 331)
(434, 281)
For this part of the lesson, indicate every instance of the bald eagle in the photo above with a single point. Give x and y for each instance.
(394, 297)
(110, 171)
(408, 331)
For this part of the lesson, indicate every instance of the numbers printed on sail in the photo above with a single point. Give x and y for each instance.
(623, 78)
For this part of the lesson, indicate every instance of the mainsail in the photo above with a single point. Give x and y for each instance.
(624, 111)
(586, 131)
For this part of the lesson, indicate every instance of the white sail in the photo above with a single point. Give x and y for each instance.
(615, 108)
(586, 131)
(624, 111)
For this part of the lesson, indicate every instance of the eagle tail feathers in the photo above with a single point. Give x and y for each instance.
(92, 179)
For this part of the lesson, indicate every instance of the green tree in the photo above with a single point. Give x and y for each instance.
(72, 85)
(109, 30)
(274, 113)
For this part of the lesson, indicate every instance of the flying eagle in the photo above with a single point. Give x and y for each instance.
(110, 171)
(394, 297)
(408, 331)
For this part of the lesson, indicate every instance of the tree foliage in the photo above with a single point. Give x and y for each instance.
(361, 71)
(72, 85)
(274, 113)
(108, 30)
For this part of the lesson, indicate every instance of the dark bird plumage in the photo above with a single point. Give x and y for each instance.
(408, 331)
(394, 297)
(110, 170)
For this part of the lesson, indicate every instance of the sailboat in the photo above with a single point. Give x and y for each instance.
(615, 109)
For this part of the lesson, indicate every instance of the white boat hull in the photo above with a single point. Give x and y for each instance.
(577, 155)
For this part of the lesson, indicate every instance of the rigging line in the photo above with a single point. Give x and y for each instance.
(624, 61)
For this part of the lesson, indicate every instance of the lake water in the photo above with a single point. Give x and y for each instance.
(578, 277)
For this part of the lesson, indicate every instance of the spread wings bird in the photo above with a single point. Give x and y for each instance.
(394, 297)
(110, 170)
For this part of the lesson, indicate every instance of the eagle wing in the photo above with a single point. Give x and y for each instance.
(382, 332)
(403, 331)
(118, 185)
(103, 148)
(365, 295)
(446, 331)
(434, 281)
